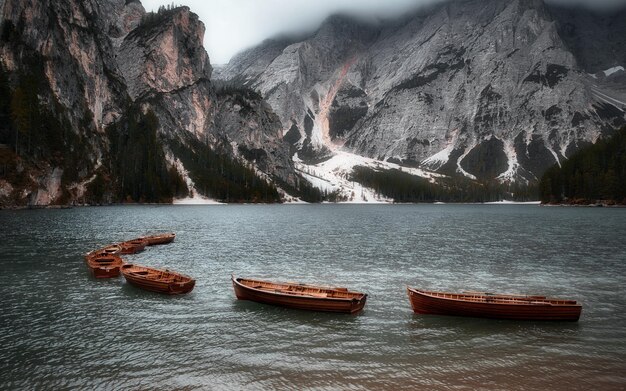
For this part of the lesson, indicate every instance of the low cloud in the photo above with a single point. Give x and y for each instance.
(591, 4)
(234, 25)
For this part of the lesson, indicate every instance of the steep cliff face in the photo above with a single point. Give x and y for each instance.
(246, 122)
(71, 40)
(94, 68)
(173, 79)
(487, 90)
(164, 54)
(597, 39)
(165, 68)
(61, 54)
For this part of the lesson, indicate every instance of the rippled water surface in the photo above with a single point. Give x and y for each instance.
(60, 328)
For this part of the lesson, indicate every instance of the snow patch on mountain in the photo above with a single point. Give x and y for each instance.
(610, 71)
(602, 95)
(334, 175)
(513, 165)
(194, 198)
(440, 158)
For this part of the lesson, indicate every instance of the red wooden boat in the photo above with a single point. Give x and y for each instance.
(108, 250)
(153, 240)
(293, 295)
(488, 305)
(133, 246)
(157, 280)
(112, 249)
(104, 265)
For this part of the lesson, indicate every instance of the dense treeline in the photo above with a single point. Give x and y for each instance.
(152, 19)
(138, 163)
(33, 137)
(596, 173)
(35, 132)
(305, 191)
(233, 87)
(404, 187)
(221, 177)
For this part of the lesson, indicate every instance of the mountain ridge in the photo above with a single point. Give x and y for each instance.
(447, 88)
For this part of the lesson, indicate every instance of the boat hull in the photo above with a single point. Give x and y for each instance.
(113, 249)
(157, 285)
(132, 246)
(424, 303)
(105, 272)
(103, 265)
(298, 302)
(159, 239)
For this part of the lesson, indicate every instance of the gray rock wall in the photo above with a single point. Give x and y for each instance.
(442, 87)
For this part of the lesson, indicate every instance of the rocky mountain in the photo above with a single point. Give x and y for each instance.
(486, 89)
(103, 102)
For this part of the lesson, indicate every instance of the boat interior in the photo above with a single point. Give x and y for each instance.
(156, 274)
(481, 297)
(106, 261)
(301, 289)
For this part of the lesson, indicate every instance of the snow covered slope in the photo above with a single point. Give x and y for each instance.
(334, 175)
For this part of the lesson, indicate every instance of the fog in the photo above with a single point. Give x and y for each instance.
(234, 25)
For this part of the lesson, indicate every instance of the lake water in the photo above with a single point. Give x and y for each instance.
(60, 328)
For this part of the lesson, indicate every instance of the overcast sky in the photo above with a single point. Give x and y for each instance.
(234, 25)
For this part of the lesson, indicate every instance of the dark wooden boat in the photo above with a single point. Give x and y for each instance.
(293, 295)
(104, 265)
(157, 280)
(133, 246)
(112, 249)
(152, 240)
(108, 250)
(488, 305)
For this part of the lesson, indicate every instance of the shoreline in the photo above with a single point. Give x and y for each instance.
(215, 203)
(35, 207)
(598, 205)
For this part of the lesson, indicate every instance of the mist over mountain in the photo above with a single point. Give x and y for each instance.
(489, 90)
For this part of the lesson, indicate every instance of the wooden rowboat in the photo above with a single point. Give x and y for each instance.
(108, 250)
(153, 240)
(488, 305)
(104, 265)
(113, 249)
(157, 280)
(133, 246)
(300, 296)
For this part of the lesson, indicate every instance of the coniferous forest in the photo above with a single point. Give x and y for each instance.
(138, 162)
(32, 133)
(596, 174)
(221, 177)
(404, 187)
